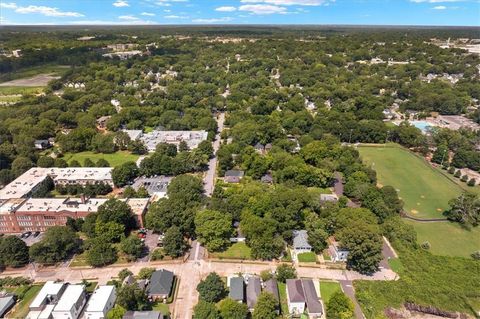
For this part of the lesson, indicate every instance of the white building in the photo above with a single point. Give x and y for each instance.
(42, 306)
(71, 303)
(295, 297)
(300, 242)
(337, 252)
(102, 300)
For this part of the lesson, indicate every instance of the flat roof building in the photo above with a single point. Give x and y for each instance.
(49, 294)
(155, 186)
(71, 303)
(143, 315)
(6, 303)
(101, 301)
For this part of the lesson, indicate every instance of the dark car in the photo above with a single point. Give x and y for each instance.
(35, 234)
(27, 234)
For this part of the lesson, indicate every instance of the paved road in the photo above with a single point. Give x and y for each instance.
(209, 178)
(190, 273)
(347, 287)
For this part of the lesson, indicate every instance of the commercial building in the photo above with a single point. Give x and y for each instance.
(37, 214)
(71, 303)
(101, 301)
(155, 186)
(153, 138)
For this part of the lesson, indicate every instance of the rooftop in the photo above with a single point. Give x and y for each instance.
(254, 288)
(99, 298)
(192, 138)
(69, 297)
(50, 288)
(237, 289)
(295, 290)
(23, 184)
(300, 239)
(311, 297)
(271, 286)
(153, 185)
(143, 315)
(160, 282)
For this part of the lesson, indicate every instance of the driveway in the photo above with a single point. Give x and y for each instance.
(347, 287)
(151, 241)
(209, 178)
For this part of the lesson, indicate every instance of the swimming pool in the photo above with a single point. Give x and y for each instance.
(424, 126)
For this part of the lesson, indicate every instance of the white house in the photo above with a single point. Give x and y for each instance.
(71, 303)
(101, 301)
(300, 242)
(295, 297)
(337, 252)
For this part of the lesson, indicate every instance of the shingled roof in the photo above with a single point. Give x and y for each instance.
(160, 282)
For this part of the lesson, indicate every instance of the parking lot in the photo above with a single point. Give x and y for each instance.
(32, 239)
(150, 242)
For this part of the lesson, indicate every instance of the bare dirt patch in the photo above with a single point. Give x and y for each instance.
(37, 80)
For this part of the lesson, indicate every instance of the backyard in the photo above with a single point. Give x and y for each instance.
(310, 257)
(426, 192)
(21, 309)
(114, 159)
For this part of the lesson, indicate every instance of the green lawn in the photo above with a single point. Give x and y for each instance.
(11, 90)
(328, 288)
(21, 309)
(447, 238)
(236, 251)
(424, 190)
(307, 257)
(282, 290)
(396, 265)
(9, 98)
(54, 69)
(114, 159)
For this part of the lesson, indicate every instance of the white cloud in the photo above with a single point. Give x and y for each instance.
(47, 11)
(167, 10)
(148, 14)
(128, 17)
(262, 9)
(290, 2)
(172, 16)
(105, 22)
(121, 3)
(226, 9)
(439, 8)
(213, 20)
(8, 5)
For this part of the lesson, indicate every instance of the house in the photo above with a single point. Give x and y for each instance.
(101, 301)
(71, 303)
(240, 237)
(49, 294)
(295, 296)
(254, 288)
(102, 121)
(233, 176)
(143, 315)
(268, 147)
(336, 251)
(130, 280)
(259, 148)
(271, 286)
(328, 198)
(6, 303)
(237, 289)
(300, 242)
(42, 144)
(160, 284)
(267, 179)
(314, 306)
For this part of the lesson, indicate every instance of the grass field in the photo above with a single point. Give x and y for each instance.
(12, 90)
(21, 309)
(448, 283)
(424, 190)
(236, 251)
(447, 238)
(328, 288)
(114, 159)
(307, 257)
(282, 291)
(54, 69)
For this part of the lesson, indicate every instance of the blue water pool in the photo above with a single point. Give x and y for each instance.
(424, 126)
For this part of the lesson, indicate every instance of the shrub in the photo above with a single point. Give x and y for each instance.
(464, 178)
(425, 245)
(472, 182)
(146, 273)
(476, 255)
(451, 170)
(457, 173)
(157, 254)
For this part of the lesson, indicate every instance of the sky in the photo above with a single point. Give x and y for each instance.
(137, 12)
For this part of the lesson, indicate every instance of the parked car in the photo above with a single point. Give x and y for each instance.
(35, 234)
(27, 234)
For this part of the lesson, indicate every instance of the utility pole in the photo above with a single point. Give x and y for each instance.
(350, 138)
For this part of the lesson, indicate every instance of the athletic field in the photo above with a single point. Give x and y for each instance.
(426, 193)
(424, 190)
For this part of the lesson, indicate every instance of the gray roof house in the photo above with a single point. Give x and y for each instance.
(233, 176)
(300, 241)
(237, 289)
(143, 315)
(254, 288)
(314, 306)
(267, 178)
(160, 284)
(271, 286)
(6, 303)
